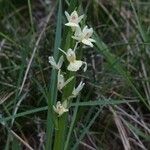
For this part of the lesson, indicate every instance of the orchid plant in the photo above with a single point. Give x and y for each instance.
(66, 67)
(80, 36)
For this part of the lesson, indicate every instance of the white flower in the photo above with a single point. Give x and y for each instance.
(74, 65)
(84, 36)
(53, 62)
(60, 108)
(78, 89)
(73, 19)
(61, 81)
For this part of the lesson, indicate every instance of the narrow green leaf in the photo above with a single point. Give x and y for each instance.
(22, 114)
(31, 17)
(103, 102)
(53, 86)
(71, 126)
(90, 103)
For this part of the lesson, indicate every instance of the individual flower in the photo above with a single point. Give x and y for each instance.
(84, 35)
(78, 89)
(74, 65)
(54, 64)
(60, 108)
(73, 19)
(61, 81)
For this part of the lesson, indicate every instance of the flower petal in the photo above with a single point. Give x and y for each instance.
(52, 62)
(55, 109)
(85, 67)
(74, 13)
(67, 15)
(60, 81)
(85, 29)
(75, 66)
(90, 32)
(80, 18)
(71, 56)
(92, 40)
(78, 31)
(60, 62)
(71, 24)
(76, 38)
(87, 42)
(78, 89)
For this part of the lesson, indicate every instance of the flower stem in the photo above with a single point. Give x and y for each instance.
(76, 45)
(60, 132)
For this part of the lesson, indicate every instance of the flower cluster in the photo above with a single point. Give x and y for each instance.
(81, 36)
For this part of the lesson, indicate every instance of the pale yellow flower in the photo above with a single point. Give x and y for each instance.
(53, 62)
(84, 35)
(60, 108)
(73, 19)
(74, 65)
(78, 89)
(61, 81)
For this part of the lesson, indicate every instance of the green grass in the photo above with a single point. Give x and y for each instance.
(117, 91)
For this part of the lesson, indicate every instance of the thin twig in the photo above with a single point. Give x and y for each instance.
(21, 140)
(5, 96)
(121, 129)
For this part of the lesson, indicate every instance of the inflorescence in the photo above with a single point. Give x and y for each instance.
(81, 36)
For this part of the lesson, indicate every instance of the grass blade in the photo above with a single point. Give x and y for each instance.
(53, 90)
(102, 102)
(71, 126)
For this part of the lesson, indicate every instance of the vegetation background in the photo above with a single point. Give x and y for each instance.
(113, 108)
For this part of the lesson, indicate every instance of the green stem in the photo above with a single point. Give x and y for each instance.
(60, 132)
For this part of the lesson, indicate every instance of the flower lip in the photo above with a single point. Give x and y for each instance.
(75, 66)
